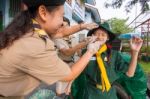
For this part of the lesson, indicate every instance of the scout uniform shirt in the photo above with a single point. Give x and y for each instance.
(27, 62)
(62, 44)
(135, 86)
(84, 86)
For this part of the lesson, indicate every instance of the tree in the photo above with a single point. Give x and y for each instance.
(119, 26)
(129, 5)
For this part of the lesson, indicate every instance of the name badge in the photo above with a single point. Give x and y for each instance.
(93, 58)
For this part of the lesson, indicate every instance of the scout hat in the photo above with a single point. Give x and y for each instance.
(34, 3)
(105, 26)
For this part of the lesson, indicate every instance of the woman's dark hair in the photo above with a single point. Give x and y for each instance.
(20, 25)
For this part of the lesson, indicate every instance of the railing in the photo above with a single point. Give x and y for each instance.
(78, 13)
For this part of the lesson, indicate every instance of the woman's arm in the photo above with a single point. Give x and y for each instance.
(65, 31)
(79, 66)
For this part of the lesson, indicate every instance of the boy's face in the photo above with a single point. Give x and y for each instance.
(101, 35)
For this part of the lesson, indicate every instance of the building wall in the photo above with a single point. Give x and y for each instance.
(3, 13)
(5, 6)
(9, 9)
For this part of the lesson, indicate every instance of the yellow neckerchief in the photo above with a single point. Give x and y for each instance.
(104, 78)
(37, 29)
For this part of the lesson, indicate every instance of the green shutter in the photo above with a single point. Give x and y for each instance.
(15, 6)
(1, 21)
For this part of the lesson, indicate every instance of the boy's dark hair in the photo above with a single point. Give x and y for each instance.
(66, 20)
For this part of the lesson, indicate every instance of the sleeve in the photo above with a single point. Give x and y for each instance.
(45, 65)
(83, 51)
(121, 63)
(61, 44)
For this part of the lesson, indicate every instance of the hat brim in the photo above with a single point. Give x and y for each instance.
(112, 36)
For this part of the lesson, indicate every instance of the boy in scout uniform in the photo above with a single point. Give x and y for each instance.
(66, 52)
(27, 53)
(105, 67)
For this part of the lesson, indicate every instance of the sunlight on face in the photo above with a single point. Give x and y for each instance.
(102, 35)
(55, 20)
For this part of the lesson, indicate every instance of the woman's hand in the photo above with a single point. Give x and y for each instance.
(136, 44)
(94, 45)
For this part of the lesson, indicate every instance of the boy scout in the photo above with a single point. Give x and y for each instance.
(105, 67)
(66, 52)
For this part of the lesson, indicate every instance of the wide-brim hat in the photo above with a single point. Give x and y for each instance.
(34, 3)
(105, 26)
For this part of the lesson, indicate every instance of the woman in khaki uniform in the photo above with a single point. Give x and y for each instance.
(27, 54)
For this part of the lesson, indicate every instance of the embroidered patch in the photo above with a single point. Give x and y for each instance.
(105, 59)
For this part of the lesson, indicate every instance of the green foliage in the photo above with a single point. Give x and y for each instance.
(145, 49)
(125, 49)
(145, 58)
(145, 66)
(119, 26)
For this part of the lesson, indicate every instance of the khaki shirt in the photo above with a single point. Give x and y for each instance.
(62, 44)
(26, 63)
